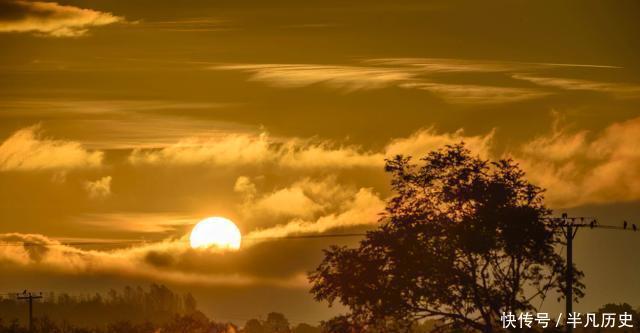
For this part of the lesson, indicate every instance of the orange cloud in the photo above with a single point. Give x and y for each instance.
(476, 94)
(138, 222)
(100, 188)
(424, 141)
(350, 78)
(26, 149)
(620, 90)
(426, 74)
(296, 153)
(50, 18)
(363, 208)
(405, 73)
(582, 167)
(247, 149)
(304, 198)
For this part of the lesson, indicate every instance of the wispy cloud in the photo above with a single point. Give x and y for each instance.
(200, 24)
(621, 90)
(447, 65)
(434, 75)
(50, 18)
(477, 94)
(122, 124)
(450, 65)
(349, 78)
(138, 222)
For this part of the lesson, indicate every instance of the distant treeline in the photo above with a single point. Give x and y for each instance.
(156, 309)
(156, 305)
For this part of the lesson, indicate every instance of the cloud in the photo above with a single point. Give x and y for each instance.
(304, 154)
(450, 65)
(227, 150)
(434, 75)
(245, 187)
(156, 261)
(349, 78)
(286, 202)
(477, 94)
(582, 167)
(99, 188)
(50, 18)
(363, 208)
(620, 90)
(304, 198)
(167, 261)
(248, 149)
(424, 141)
(447, 65)
(27, 150)
(138, 222)
(402, 73)
(295, 153)
(576, 167)
(118, 124)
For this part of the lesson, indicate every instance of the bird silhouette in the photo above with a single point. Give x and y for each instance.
(24, 292)
(624, 224)
(635, 228)
(592, 224)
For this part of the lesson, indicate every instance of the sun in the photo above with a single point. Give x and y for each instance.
(215, 232)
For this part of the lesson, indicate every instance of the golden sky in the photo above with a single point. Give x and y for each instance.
(132, 120)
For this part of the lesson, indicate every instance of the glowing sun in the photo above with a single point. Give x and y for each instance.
(215, 231)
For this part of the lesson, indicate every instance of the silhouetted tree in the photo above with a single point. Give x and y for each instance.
(341, 324)
(276, 323)
(462, 240)
(305, 328)
(620, 308)
(253, 326)
(190, 304)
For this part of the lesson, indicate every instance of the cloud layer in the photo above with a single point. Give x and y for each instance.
(440, 77)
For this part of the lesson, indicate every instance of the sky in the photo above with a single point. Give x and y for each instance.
(132, 120)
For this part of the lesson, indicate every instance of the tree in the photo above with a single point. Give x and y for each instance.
(621, 308)
(253, 326)
(276, 323)
(462, 240)
(305, 328)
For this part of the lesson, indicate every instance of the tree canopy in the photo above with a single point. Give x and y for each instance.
(462, 240)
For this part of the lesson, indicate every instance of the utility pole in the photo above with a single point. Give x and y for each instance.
(569, 234)
(29, 297)
(569, 229)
